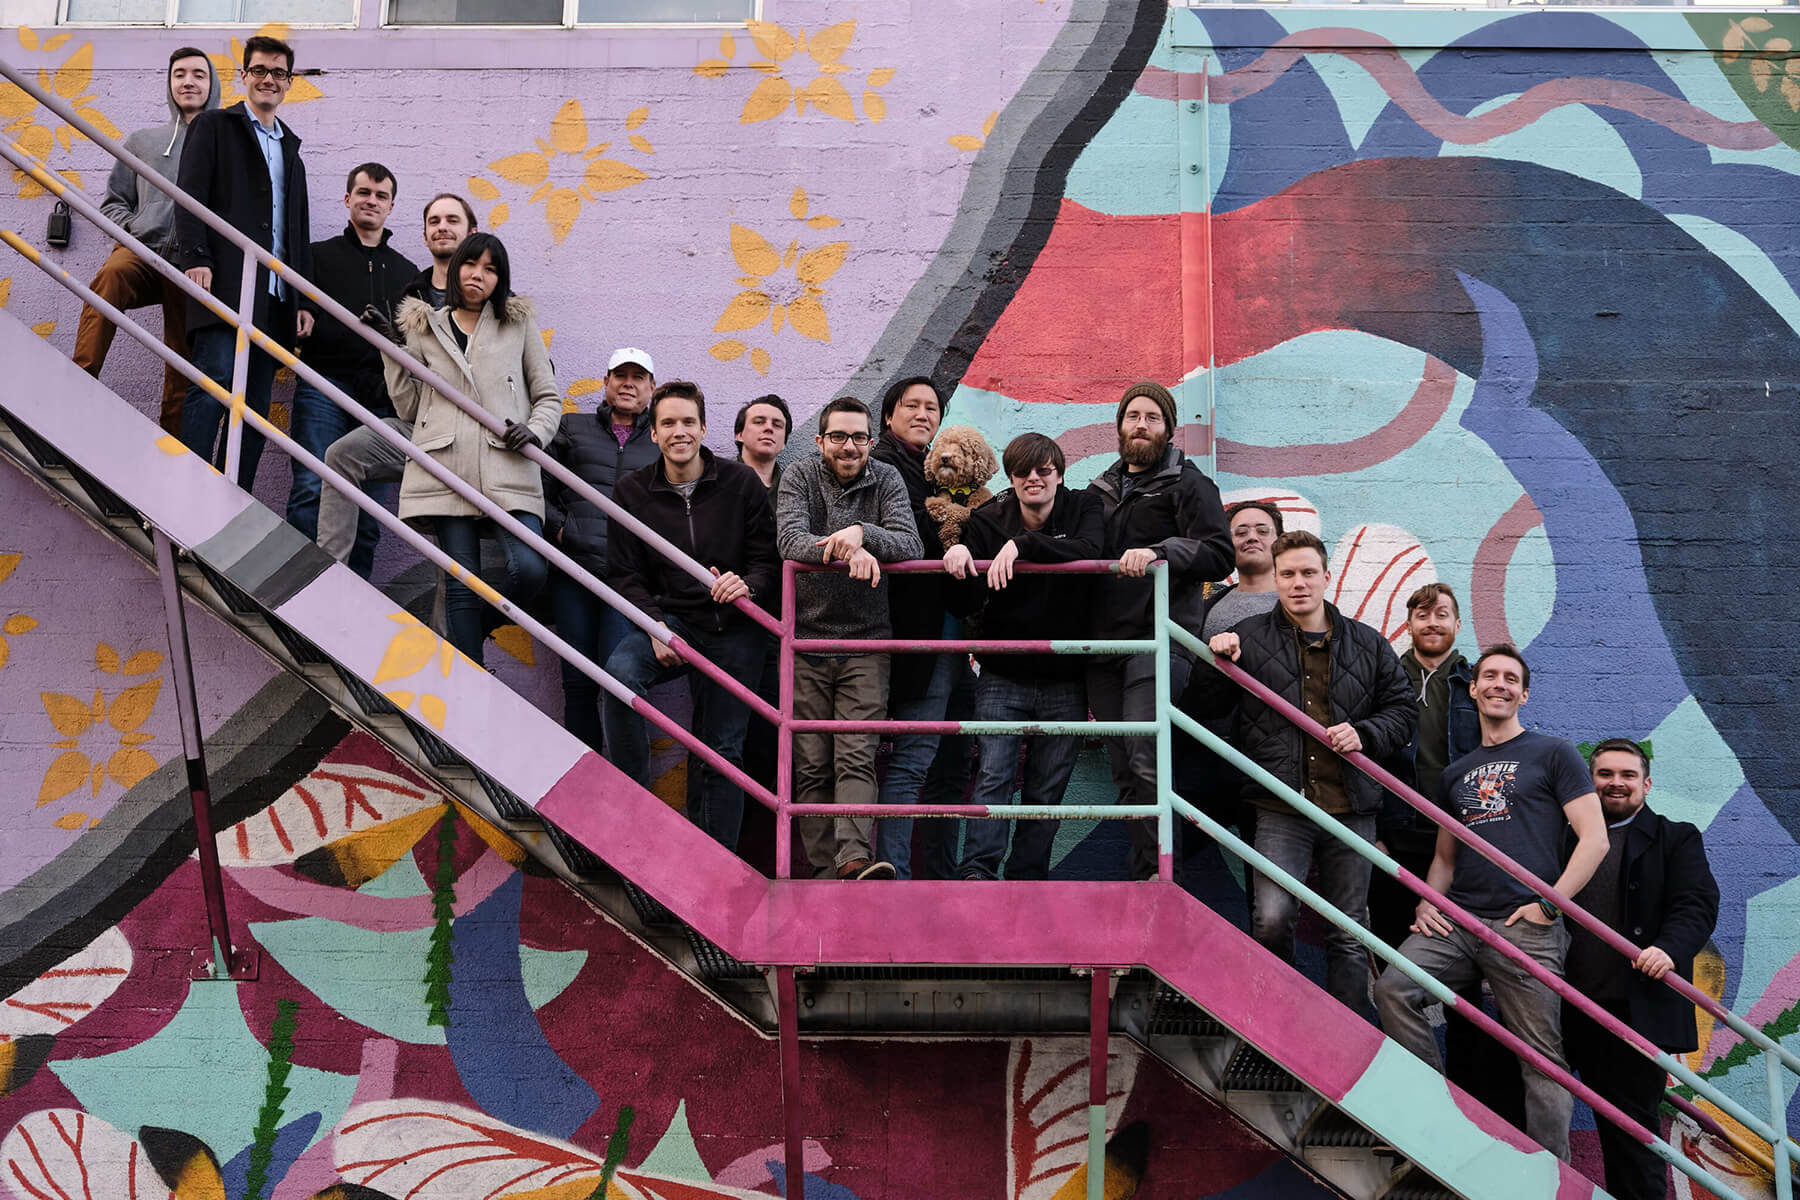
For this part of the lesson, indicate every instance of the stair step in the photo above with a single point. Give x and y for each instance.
(1329, 1127)
(1174, 1015)
(1413, 1184)
(1252, 1070)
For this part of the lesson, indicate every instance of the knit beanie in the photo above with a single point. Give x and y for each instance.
(1154, 391)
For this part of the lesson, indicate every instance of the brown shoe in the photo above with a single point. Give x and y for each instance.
(862, 868)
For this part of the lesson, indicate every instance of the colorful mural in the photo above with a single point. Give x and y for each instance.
(1510, 300)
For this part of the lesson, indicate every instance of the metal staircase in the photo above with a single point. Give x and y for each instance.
(973, 958)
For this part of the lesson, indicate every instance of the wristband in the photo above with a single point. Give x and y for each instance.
(1550, 911)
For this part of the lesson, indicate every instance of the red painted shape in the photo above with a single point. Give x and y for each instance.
(1430, 401)
(1487, 581)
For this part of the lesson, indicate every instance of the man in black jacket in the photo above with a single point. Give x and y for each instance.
(1655, 887)
(602, 447)
(719, 513)
(244, 164)
(1157, 505)
(363, 273)
(1344, 675)
(1037, 521)
(362, 456)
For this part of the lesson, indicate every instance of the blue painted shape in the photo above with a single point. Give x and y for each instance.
(154, 1082)
(1602, 625)
(1764, 856)
(816, 1188)
(1129, 168)
(1282, 1181)
(291, 1141)
(501, 1054)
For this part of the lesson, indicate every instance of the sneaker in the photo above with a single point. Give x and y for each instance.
(862, 868)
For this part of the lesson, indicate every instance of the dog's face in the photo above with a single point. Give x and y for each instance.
(960, 458)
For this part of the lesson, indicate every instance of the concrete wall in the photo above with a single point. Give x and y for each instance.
(1504, 300)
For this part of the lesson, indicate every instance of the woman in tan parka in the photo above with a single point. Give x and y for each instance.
(485, 340)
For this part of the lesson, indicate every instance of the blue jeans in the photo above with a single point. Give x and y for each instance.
(1049, 761)
(317, 423)
(714, 803)
(467, 624)
(908, 768)
(202, 418)
(1294, 844)
(595, 629)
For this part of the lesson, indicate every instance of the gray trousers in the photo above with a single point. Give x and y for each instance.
(837, 768)
(362, 457)
(1528, 1009)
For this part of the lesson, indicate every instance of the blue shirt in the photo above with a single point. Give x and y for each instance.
(269, 141)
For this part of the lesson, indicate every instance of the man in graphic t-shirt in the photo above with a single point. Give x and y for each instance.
(1517, 791)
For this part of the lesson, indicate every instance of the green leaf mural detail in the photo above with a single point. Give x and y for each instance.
(443, 904)
(616, 1147)
(1755, 52)
(268, 1118)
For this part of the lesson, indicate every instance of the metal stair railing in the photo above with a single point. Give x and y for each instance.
(1774, 1130)
(240, 413)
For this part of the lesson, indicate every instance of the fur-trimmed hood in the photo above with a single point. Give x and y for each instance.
(413, 317)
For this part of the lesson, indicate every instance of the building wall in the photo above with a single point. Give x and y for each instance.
(1507, 300)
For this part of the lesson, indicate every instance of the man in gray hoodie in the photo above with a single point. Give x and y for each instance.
(841, 508)
(147, 213)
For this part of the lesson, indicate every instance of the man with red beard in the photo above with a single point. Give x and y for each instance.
(1157, 505)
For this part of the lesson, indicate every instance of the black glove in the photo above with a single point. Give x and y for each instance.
(517, 437)
(377, 320)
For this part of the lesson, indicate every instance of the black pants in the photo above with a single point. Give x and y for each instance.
(1635, 1084)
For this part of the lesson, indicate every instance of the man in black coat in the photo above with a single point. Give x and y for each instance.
(244, 164)
(363, 273)
(1157, 504)
(602, 447)
(1344, 675)
(719, 513)
(1655, 887)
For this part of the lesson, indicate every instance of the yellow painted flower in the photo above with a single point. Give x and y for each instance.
(410, 652)
(19, 111)
(965, 141)
(17, 623)
(126, 712)
(565, 171)
(227, 65)
(770, 295)
(782, 53)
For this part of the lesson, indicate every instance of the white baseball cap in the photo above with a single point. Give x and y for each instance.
(631, 354)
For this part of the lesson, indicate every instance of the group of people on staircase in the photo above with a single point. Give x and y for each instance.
(1450, 728)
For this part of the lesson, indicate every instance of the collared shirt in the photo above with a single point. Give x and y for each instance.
(268, 140)
(1324, 770)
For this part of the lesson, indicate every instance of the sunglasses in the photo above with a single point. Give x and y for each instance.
(1043, 472)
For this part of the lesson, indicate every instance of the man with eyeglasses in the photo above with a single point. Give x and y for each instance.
(244, 164)
(1037, 521)
(842, 508)
(1653, 886)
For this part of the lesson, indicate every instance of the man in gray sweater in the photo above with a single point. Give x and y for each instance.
(145, 210)
(840, 507)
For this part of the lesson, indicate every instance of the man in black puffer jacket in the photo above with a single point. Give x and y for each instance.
(1345, 676)
(719, 513)
(1157, 504)
(602, 447)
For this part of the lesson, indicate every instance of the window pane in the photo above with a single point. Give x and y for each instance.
(133, 11)
(664, 12)
(259, 12)
(476, 12)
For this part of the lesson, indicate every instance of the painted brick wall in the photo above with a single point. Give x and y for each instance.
(1503, 300)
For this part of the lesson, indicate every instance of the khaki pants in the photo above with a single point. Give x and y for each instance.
(837, 768)
(125, 281)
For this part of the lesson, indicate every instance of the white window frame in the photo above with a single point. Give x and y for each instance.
(172, 12)
(571, 8)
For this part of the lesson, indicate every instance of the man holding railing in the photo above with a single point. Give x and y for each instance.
(244, 164)
(1157, 504)
(1521, 791)
(718, 512)
(842, 508)
(1344, 675)
(1653, 886)
(148, 214)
